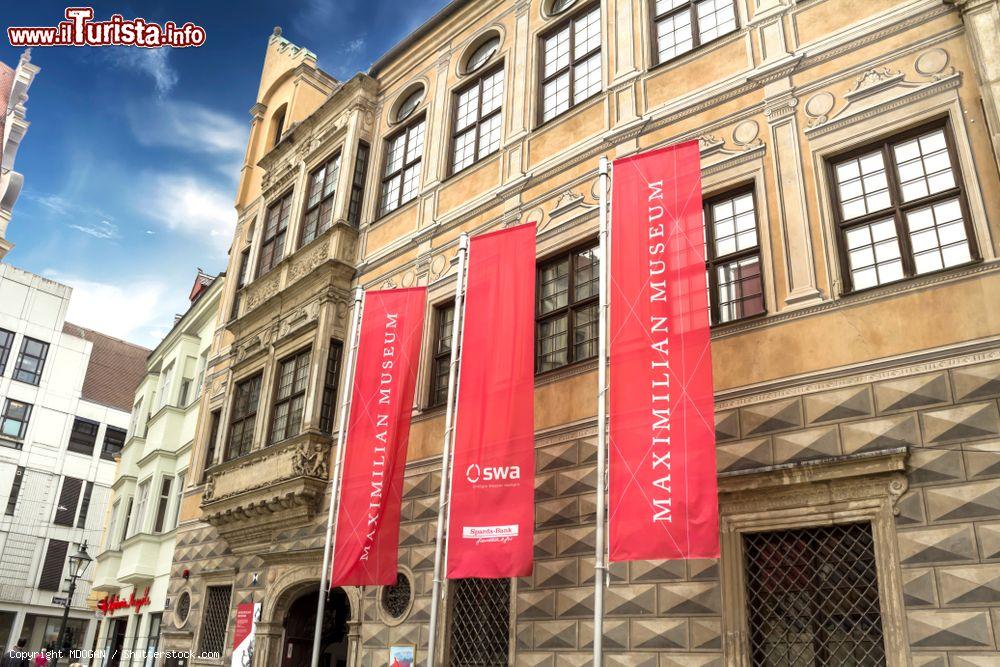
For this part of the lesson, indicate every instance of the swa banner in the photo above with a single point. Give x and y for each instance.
(491, 526)
(366, 544)
(663, 499)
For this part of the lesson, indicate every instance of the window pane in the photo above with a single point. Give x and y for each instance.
(465, 150)
(587, 36)
(415, 143)
(673, 35)
(553, 289)
(468, 104)
(411, 183)
(937, 235)
(873, 254)
(924, 166)
(552, 343)
(585, 328)
(740, 291)
(863, 185)
(587, 78)
(715, 17)
(557, 52)
(585, 282)
(492, 92)
(735, 225)
(489, 136)
(390, 193)
(555, 96)
(394, 154)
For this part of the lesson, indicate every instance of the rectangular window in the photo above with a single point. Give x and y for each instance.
(241, 282)
(166, 382)
(69, 498)
(900, 209)
(401, 177)
(215, 619)
(142, 500)
(358, 185)
(444, 318)
(571, 63)
(51, 578)
(126, 524)
(290, 396)
(81, 521)
(6, 345)
(480, 622)
(215, 420)
(82, 436)
(31, 361)
(477, 120)
(114, 537)
(162, 504)
(272, 245)
(114, 440)
(328, 409)
(681, 26)
(812, 597)
(733, 251)
(320, 193)
(567, 310)
(14, 420)
(133, 426)
(179, 493)
(15, 491)
(182, 394)
(244, 417)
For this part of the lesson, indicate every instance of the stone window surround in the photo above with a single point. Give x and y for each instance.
(862, 129)
(849, 489)
(444, 625)
(220, 578)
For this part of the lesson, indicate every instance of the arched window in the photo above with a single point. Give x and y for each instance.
(559, 6)
(409, 104)
(278, 125)
(482, 53)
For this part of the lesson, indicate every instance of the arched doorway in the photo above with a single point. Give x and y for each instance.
(299, 622)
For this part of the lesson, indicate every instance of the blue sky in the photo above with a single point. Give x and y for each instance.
(124, 196)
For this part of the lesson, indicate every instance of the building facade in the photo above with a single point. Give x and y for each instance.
(849, 166)
(14, 85)
(134, 564)
(65, 393)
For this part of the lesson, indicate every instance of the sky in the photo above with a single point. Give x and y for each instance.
(132, 157)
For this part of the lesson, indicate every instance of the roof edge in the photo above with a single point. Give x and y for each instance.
(425, 27)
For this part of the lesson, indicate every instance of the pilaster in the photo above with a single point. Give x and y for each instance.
(982, 23)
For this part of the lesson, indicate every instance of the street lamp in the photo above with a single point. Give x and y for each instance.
(78, 563)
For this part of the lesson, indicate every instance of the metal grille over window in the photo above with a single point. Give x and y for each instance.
(812, 597)
(480, 623)
(396, 598)
(215, 619)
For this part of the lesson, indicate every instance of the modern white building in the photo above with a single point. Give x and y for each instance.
(133, 567)
(65, 397)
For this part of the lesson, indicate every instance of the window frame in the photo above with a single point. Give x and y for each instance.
(356, 197)
(5, 349)
(476, 79)
(105, 453)
(568, 16)
(282, 202)
(713, 261)
(437, 357)
(384, 178)
(291, 358)
(250, 416)
(335, 160)
(696, 43)
(242, 278)
(81, 447)
(163, 505)
(898, 208)
(331, 381)
(571, 305)
(41, 361)
(5, 417)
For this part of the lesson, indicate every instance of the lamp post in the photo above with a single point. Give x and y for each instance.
(77, 566)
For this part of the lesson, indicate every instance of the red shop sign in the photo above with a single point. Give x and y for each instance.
(113, 603)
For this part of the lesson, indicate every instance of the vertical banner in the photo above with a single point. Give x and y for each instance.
(367, 534)
(663, 499)
(492, 507)
(247, 615)
(6, 88)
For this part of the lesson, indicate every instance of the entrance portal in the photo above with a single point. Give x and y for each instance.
(300, 622)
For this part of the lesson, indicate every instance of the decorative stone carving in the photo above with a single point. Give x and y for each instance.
(311, 460)
(878, 77)
(305, 264)
(746, 133)
(933, 63)
(818, 107)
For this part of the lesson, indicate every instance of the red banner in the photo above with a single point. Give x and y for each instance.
(663, 500)
(491, 527)
(366, 546)
(6, 87)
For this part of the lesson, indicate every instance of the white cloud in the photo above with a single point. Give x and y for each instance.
(136, 311)
(184, 203)
(189, 126)
(102, 229)
(152, 62)
(355, 45)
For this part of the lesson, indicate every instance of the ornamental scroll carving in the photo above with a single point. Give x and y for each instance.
(311, 460)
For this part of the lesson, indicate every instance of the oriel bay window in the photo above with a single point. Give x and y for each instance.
(290, 396)
(682, 25)
(272, 245)
(320, 194)
(477, 119)
(733, 251)
(571, 63)
(243, 417)
(900, 208)
(567, 309)
(328, 406)
(401, 176)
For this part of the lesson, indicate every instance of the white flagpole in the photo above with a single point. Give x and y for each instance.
(600, 568)
(335, 492)
(444, 492)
